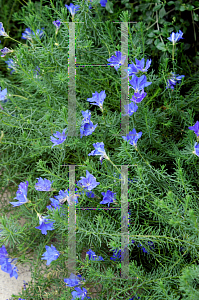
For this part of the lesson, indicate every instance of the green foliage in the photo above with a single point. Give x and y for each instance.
(7, 9)
(163, 17)
(189, 282)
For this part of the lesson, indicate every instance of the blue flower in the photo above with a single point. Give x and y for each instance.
(139, 96)
(90, 7)
(195, 128)
(79, 294)
(143, 249)
(103, 3)
(73, 280)
(61, 137)
(116, 61)
(37, 70)
(25, 283)
(43, 185)
(23, 188)
(72, 9)
(89, 182)
(196, 149)
(50, 254)
(173, 80)
(11, 65)
(99, 150)
(44, 225)
(97, 99)
(108, 197)
(5, 263)
(139, 67)
(132, 137)
(14, 269)
(138, 83)
(116, 255)
(39, 32)
(2, 30)
(28, 34)
(67, 196)
(7, 267)
(55, 203)
(130, 109)
(151, 243)
(3, 94)
(93, 256)
(5, 50)
(21, 194)
(87, 128)
(87, 116)
(57, 24)
(175, 37)
(88, 194)
(3, 254)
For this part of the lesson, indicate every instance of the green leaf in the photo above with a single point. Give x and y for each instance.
(151, 34)
(162, 12)
(143, 7)
(182, 7)
(195, 17)
(94, 2)
(170, 3)
(161, 46)
(157, 7)
(109, 7)
(149, 41)
(190, 7)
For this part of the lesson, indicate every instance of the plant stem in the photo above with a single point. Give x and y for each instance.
(142, 156)
(113, 165)
(173, 52)
(14, 40)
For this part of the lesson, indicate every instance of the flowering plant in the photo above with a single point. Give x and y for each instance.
(39, 138)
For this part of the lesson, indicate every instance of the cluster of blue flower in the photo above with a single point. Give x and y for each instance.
(76, 281)
(47, 224)
(5, 263)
